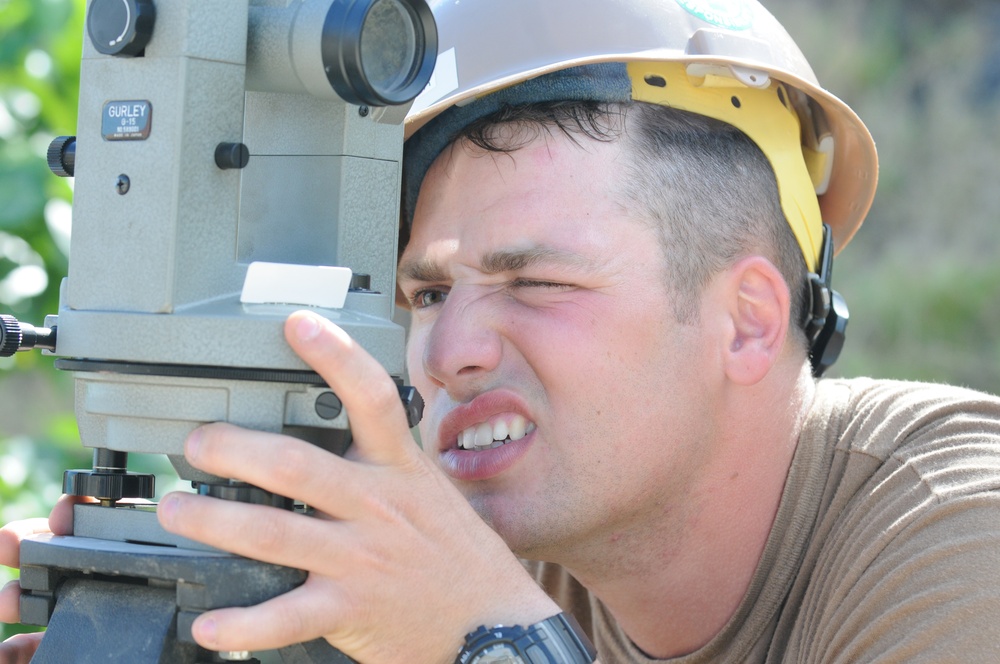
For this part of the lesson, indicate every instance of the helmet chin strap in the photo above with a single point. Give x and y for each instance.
(827, 317)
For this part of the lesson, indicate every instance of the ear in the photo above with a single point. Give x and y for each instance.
(757, 307)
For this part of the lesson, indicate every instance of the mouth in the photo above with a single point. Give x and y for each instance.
(495, 432)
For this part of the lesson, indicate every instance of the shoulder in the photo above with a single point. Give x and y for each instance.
(904, 420)
(905, 550)
(901, 451)
(903, 404)
(887, 441)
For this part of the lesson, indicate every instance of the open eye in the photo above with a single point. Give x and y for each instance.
(427, 297)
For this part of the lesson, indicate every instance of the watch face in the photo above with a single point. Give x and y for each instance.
(500, 653)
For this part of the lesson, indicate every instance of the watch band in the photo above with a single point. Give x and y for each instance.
(555, 640)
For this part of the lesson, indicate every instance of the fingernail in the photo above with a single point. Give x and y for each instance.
(307, 328)
(192, 444)
(205, 631)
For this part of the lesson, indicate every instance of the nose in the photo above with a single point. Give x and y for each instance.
(463, 344)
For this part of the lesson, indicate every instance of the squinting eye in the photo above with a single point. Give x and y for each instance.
(427, 298)
(534, 283)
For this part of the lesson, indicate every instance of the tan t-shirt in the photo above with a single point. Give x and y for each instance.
(886, 545)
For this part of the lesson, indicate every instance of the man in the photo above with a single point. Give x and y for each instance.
(615, 330)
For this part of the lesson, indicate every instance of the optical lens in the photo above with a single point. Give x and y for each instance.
(379, 52)
(390, 45)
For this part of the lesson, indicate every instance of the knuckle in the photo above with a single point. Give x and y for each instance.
(378, 394)
(291, 624)
(270, 531)
(349, 621)
(376, 507)
(292, 465)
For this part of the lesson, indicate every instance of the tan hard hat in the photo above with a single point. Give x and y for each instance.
(724, 58)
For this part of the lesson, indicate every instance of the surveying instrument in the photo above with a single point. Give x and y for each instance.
(235, 160)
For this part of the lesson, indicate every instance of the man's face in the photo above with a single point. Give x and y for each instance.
(540, 317)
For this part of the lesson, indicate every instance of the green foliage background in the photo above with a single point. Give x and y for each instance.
(40, 44)
(922, 277)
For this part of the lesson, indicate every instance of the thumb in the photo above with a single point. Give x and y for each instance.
(368, 393)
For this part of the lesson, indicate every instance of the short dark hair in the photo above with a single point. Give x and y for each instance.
(708, 190)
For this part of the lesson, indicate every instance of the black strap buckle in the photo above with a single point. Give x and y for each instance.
(828, 315)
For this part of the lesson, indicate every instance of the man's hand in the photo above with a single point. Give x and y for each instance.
(400, 566)
(21, 648)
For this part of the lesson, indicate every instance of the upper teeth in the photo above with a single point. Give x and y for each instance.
(486, 435)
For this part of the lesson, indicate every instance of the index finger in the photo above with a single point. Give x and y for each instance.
(61, 516)
(368, 393)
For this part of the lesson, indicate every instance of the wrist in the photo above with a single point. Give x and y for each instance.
(558, 639)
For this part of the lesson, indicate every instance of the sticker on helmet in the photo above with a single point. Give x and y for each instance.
(443, 80)
(729, 14)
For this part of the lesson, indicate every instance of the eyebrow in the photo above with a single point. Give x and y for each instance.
(495, 262)
(423, 270)
(511, 260)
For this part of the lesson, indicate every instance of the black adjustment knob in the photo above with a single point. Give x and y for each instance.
(15, 336)
(62, 156)
(121, 27)
(413, 404)
(10, 335)
(245, 493)
(108, 486)
(231, 155)
(110, 480)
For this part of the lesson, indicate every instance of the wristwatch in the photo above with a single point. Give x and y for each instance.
(555, 640)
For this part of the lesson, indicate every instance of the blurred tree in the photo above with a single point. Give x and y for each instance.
(920, 278)
(40, 45)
